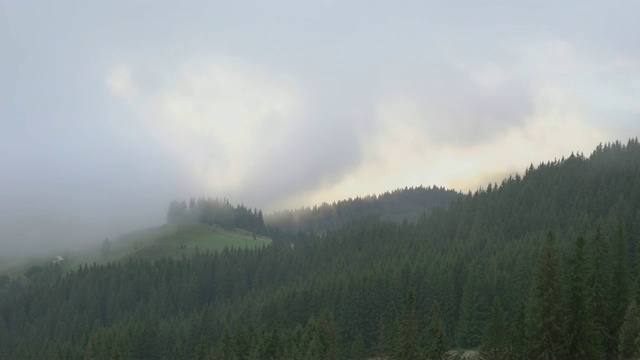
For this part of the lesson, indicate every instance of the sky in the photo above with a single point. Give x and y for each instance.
(109, 110)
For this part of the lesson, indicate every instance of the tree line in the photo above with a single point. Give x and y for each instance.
(216, 211)
(543, 265)
(406, 204)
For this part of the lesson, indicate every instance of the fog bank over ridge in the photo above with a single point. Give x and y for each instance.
(109, 111)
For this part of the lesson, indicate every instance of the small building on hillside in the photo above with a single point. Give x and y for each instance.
(58, 259)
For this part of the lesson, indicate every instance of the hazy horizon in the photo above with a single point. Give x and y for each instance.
(109, 111)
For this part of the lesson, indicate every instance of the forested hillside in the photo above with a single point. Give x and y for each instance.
(542, 265)
(398, 205)
(215, 212)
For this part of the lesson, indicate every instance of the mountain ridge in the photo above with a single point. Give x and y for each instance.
(315, 299)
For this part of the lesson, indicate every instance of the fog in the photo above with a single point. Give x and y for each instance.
(109, 111)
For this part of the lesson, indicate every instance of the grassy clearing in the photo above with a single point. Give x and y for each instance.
(17, 267)
(172, 241)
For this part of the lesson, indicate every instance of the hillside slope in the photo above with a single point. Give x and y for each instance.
(171, 240)
(373, 287)
(406, 204)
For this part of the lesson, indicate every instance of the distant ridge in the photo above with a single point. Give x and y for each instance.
(398, 205)
(515, 269)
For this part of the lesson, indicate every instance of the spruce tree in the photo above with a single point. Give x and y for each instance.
(545, 307)
(620, 284)
(408, 331)
(145, 342)
(581, 337)
(474, 308)
(599, 283)
(225, 349)
(323, 337)
(494, 342)
(518, 345)
(382, 346)
(329, 330)
(176, 354)
(202, 349)
(437, 338)
(629, 333)
(358, 348)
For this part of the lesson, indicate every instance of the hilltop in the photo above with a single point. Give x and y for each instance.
(399, 205)
(513, 269)
(167, 241)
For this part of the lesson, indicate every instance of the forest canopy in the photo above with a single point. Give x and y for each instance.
(540, 265)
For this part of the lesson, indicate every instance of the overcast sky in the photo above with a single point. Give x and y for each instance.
(110, 109)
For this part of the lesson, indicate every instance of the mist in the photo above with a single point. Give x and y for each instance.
(110, 111)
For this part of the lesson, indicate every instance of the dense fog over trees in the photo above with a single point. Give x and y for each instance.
(110, 110)
(540, 265)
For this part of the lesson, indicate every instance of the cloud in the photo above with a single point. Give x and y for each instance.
(271, 139)
(243, 132)
(111, 110)
(399, 156)
(602, 81)
(559, 57)
(121, 83)
(459, 104)
(320, 149)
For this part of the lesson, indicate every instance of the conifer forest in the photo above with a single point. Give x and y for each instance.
(542, 265)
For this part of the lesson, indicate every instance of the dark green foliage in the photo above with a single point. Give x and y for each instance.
(177, 354)
(582, 339)
(202, 349)
(495, 341)
(33, 270)
(358, 348)
(226, 348)
(323, 337)
(216, 211)
(620, 282)
(321, 296)
(144, 340)
(400, 205)
(438, 344)
(407, 339)
(517, 343)
(599, 283)
(474, 309)
(628, 347)
(382, 346)
(545, 306)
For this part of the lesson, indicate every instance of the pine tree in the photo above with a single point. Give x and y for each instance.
(629, 333)
(437, 338)
(242, 342)
(145, 342)
(545, 308)
(270, 344)
(202, 349)
(494, 342)
(382, 346)
(358, 348)
(329, 333)
(323, 333)
(408, 331)
(254, 343)
(225, 349)
(581, 337)
(518, 345)
(177, 353)
(599, 282)
(474, 308)
(620, 289)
